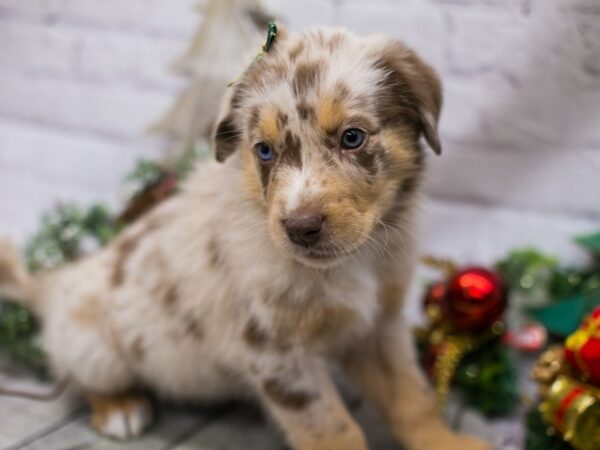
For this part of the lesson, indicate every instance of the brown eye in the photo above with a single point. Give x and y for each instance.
(352, 139)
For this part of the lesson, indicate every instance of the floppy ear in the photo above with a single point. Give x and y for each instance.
(227, 133)
(416, 90)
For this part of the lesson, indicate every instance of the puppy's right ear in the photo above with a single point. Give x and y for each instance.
(227, 133)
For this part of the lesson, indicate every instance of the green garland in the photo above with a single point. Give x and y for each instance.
(487, 379)
(555, 296)
(59, 240)
(20, 338)
(540, 436)
(66, 233)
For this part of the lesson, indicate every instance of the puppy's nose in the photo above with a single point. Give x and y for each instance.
(303, 230)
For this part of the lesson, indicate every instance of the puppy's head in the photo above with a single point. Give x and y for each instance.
(327, 126)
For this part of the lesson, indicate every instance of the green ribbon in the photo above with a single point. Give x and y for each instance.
(271, 35)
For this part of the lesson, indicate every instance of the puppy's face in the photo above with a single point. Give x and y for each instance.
(327, 126)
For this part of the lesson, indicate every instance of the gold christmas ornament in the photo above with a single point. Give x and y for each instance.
(573, 408)
(548, 367)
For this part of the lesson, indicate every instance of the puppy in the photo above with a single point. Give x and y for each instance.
(291, 253)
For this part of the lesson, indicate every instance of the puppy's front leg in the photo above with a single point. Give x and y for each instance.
(386, 370)
(300, 395)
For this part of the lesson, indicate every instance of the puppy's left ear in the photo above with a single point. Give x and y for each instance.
(227, 132)
(416, 89)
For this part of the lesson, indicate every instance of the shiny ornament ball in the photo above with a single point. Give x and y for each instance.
(582, 349)
(476, 299)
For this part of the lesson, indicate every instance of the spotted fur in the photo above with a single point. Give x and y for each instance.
(207, 297)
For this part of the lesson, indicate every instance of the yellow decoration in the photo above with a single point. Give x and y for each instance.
(573, 408)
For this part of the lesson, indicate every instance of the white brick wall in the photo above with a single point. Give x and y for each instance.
(80, 80)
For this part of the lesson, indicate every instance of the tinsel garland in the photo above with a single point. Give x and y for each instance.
(454, 349)
(462, 345)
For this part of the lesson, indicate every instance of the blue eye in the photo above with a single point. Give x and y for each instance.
(264, 152)
(352, 139)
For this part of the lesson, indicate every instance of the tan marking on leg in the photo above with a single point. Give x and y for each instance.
(120, 416)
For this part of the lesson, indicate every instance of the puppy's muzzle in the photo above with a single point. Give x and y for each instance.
(304, 230)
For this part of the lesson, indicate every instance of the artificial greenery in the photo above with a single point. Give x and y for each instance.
(487, 379)
(20, 338)
(540, 436)
(590, 242)
(556, 296)
(66, 233)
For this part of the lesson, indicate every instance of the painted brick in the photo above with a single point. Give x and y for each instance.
(418, 25)
(469, 233)
(175, 17)
(41, 166)
(36, 48)
(111, 13)
(461, 120)
(31, 9)
(113, 109)
(83, 78)
(114, 57)
(481, 42)
(299, 15)
(551, 181)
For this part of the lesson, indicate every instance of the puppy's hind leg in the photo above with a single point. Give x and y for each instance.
(107, 381)
(116, 411)
(85, 350)
(121, 416)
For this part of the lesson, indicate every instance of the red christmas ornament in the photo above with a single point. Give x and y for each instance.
(476, 299)
(582, 348)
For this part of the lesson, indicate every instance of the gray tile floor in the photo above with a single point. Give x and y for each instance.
(62, 424)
